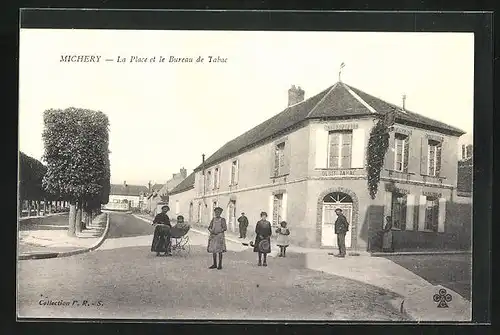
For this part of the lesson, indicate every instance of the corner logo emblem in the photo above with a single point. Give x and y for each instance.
(442, 298)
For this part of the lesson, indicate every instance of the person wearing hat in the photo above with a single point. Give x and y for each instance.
(161, 237)
(217, 240)
(262, 244)
(341, 228)
(243, 224)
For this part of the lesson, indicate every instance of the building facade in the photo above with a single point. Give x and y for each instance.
(182, 200)
(309, 160)
(159, 194)
(134, 195)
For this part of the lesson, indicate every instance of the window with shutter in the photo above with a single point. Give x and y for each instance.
(401, 147)
(406, 154)
(438, 159)
(334, 149)
(209, 180)
(340, 149)
(424, 152)
(216, 178)
(276, 161)
(234, 172)
(434, 158)
(431, 213)
(345, 161)
(279, 159)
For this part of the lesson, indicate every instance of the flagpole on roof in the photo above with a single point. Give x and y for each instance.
(340, 71)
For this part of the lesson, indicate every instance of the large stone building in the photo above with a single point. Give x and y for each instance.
(308, 160)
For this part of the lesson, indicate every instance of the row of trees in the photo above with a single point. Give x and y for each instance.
(31, 192)
(76, 145)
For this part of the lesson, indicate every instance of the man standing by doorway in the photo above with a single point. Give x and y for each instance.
(341, 228)
(243, 224)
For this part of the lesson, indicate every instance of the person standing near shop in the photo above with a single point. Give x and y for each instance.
(341, 228)
(243, 225)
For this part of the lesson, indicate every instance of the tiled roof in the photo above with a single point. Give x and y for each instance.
(132, 190)
(337, 101)
(156, 187)
(383, 107)
(186, 184)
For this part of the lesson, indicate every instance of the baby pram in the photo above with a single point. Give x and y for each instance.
(179, 239)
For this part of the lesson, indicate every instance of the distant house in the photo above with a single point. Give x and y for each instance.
(134, 195)
(159, 193)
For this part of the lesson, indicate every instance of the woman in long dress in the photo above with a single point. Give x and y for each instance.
(161, 237)
(217, 239)
(263, 232)
(387, 245)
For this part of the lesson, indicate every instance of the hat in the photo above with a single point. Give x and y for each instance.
(338, 210)
(263, 213)
(163, 207)
(218, 209)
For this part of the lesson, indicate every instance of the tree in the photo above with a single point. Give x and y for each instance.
(378, 144)
(31, 172)
(77, 156)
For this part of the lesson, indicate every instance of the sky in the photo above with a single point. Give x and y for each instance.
(164, 116)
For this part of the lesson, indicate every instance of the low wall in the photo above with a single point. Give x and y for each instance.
(457, 235)
(117, 206)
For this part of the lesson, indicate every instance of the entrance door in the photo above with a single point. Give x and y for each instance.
(331, 202)
(231, 210)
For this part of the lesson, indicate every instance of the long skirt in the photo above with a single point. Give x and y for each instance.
(161, 239)
(387, 241)
(283, 240)
(258, 240)
(159, 244)
(216, 243)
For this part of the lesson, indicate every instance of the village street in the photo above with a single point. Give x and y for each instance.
(123, 279)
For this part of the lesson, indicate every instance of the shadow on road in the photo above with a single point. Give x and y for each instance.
(56, 222)
(452, 271)
(133, 282)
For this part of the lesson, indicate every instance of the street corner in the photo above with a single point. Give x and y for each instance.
(437, 303)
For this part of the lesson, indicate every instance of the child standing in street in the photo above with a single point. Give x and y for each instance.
(283, 238)
(263, 234)
(217, 239)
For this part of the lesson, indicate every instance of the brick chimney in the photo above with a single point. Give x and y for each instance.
(295, 95)
(125, 183)
(184, 173)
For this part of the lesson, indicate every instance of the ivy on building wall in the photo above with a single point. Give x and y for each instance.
(378, 145)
